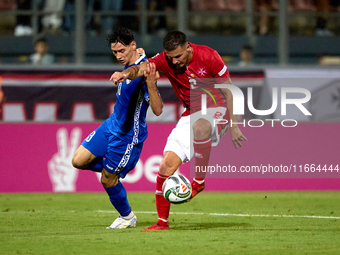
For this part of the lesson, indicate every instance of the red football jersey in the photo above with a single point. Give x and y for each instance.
(205, 69)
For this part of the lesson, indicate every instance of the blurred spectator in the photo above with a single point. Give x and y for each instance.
(7, 20)
(265, 6)
(235, 5)
(322, 6)
(109, 21)
(208, 5)
(335, 5)
(246, 55)
(69, 19)
(302, 5)
(52, 22)
(129, 21)
(157, 23)
(41, 57)
(23, 22)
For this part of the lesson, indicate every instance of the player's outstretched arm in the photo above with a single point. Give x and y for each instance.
(130, 73)
(235, 133)
(151, 76)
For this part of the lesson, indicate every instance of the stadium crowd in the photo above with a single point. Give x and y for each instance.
(54, 21)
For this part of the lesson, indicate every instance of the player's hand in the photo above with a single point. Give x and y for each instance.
(62, 174)
(236, 136)
(117, 77)
(151, 75)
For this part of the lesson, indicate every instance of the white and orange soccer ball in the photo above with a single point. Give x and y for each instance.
(177, 189)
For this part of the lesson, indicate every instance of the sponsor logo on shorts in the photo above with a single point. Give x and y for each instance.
(218, 115)
(111, 168)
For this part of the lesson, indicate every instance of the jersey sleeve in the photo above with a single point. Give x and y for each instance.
(218, 68)
(159, 60)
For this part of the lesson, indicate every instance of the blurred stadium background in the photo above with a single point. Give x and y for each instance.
(294, 44)
(47, 110)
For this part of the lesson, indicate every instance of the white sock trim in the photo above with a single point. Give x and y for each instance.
(199, 142)
(129, 217)
(199, 182)
(159, 192)
(163, 220)
(162, 177)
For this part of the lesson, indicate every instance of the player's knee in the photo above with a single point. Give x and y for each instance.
(76, 162)
(109, 180)
(202, 129)
(166, 168)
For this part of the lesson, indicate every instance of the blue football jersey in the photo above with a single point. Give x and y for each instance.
(128, 120)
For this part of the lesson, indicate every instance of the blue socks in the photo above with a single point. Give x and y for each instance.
(118, 198)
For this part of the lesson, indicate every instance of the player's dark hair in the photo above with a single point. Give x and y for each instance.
(174, 39)
(121, 35)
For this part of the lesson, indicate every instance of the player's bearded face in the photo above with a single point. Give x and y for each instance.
(123, 53)
(180, 56)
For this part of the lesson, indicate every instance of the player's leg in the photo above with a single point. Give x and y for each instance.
(206, 133)
(167, 167)
(118, 197)
(90, 153)
(84, 159)
(202, 146)
(121, 158)
(176, 151)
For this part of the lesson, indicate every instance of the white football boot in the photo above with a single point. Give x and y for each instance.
(123, 223)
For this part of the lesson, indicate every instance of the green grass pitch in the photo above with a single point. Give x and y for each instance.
(212, 223)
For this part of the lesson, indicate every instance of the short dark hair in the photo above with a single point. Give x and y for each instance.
(174, 39)
(247, 47)
(121, 35)
(41, 40)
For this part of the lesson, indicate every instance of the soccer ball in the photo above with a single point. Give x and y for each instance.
(176, 189)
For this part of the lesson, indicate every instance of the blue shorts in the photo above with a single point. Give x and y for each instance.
(119, 156)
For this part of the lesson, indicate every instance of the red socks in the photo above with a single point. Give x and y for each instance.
(202, 150)
(163, 206)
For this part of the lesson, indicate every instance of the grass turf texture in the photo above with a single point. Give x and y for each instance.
(75, 224)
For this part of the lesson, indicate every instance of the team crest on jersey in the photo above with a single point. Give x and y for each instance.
(128, 81)
(202, 72)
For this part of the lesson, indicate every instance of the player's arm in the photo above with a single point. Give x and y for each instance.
(151, 76)
(130, 73)
(235, 132)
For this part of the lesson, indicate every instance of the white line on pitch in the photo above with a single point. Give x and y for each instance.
(237, 215)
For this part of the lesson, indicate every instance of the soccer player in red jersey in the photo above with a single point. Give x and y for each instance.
(184, 63)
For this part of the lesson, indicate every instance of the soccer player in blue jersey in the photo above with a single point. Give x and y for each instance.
(115, 146)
